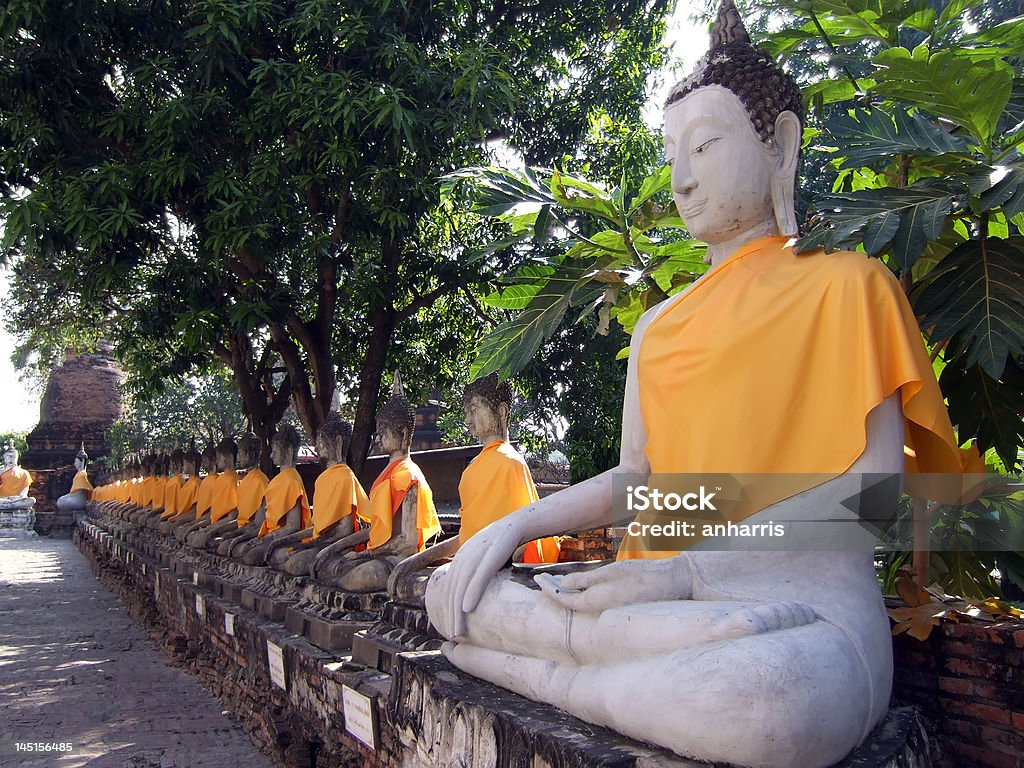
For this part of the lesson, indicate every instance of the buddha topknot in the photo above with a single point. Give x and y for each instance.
(334, 426)
(490, 389)
(734, 63)
(288, 435)
(397, 412)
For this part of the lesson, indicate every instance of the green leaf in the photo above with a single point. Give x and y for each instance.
(987, 408)
(847, 220)
(580, 195)
(865, 137)
(970, 93)
(975, 299)
(954, 10)
(1001, 186)
(830, 91)
(658, 181)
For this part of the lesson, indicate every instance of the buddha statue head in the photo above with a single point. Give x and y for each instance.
(396, 421)
(249, 449)
(81, 459)
(284, 447)
(332, 439)
(487, 404)
(191, 460)
(209, 458)
(176, 461)
(227, 452)
(10, 456)
(732, 135)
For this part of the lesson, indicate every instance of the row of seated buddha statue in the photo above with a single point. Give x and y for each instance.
(347, 538)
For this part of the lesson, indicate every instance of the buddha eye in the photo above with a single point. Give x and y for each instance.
(700, 149)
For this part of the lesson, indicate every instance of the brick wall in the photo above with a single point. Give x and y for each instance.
(969, 679)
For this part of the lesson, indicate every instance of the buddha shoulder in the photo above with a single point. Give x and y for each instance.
(847, 269)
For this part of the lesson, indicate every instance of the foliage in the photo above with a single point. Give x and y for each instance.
(925, 138)
(205, 408)
(214, 182)
(17, 439)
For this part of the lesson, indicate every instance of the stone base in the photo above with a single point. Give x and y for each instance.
(426, 713)
(18, 522)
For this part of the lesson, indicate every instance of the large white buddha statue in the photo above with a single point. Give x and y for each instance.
(14, 482)
(806, 369)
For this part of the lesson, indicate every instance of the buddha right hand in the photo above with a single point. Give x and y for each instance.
(624, 583)
(474, 567)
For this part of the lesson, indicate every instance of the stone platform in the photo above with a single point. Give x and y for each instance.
(392, 700)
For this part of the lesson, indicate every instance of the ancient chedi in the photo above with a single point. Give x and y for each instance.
(81, 401)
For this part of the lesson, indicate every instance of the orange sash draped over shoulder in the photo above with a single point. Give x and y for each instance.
(204, 496)
(336, 495)
(386, 496)
(284, 492)
(13, 481)
(224, 497)
(171, 494)
(159, 491)
(250, 492)
(496, 483)
(186, 498)
(81, 483)
(771, 363)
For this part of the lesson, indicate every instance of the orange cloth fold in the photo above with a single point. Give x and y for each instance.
(186, 498)
(13, 481)
(224, 496)
(204, 496)
(496, 483)
(250, 492)
(386, 496)
(171, 494)
(284, 492)
(336, 495)
(771, 363)
(159, 491)
(81, 483)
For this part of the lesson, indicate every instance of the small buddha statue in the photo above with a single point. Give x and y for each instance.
(172, 485)
(496, 483)
(204, 494)
(249, 496)
(185, 497)
(338, 500)
(402, 516)
(14, 482)
(77, 498)
(285, 509)
(154, 485)
(729, 650)
(223, 498)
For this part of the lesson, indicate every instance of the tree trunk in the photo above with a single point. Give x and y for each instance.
(369, 387)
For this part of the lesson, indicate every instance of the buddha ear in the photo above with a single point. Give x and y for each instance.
(503, 413)
(788, 137)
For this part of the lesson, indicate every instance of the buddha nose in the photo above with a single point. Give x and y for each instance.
(683, 181)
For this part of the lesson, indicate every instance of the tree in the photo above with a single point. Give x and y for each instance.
(254, 184)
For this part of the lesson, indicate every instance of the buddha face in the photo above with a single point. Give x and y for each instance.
(721, 170)
(481, 418)
(391, 440)
(10, 457)
(79, 464)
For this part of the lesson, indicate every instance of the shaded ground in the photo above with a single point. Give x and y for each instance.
(74, 668)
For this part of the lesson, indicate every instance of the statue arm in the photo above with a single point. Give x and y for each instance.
(421, 560)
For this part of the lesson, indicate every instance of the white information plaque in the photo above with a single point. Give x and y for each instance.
(275, 660)
(360, 716)
(200, 606)
(195, 578)
(229, 624)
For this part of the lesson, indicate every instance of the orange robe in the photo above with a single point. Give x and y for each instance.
(159, 491)
(336, 495)
(250, 492)
(284, 492)
(204, 497)
(769, 366)
(496, 483)
(225, 495)
(81, 483)
(13, 481)
(386, 496)
(174, 483)
(185, 499)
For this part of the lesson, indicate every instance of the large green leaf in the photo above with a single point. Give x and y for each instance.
(970, 93)
(908, 218)
(497, 191)
(509, 347)
(987, 408)
(1001, 187)
(865, 137)
(975, 299)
